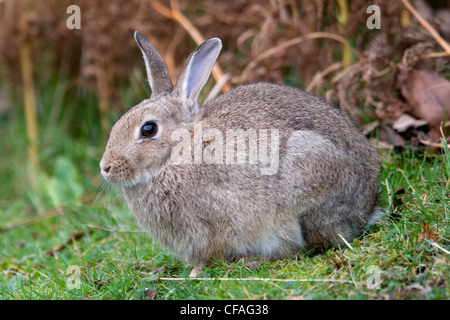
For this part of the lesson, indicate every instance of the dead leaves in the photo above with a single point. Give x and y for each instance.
(428, 234)
(405, 122)
(429, 96)
(15, 271)
(396, 81)
(340, 261)
(150, 294)
(99, 284)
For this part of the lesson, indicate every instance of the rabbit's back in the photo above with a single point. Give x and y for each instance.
(270, 106)
(288, 109)
(328, 170)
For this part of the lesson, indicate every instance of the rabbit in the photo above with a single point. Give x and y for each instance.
(317, 189)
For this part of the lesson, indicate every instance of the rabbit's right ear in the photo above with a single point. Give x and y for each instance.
(196, 71)
(157, 74)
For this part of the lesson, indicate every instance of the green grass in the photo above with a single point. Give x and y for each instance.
(129, 265)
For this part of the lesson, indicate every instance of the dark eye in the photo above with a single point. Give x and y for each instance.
(149, 129)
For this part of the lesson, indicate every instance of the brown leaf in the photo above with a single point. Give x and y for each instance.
(428, 234)
(151, 294)
(13, 271)
(101, 283)
(390, 136)
(77, 235)
(429, 96)
(368, 128)
(405, 121)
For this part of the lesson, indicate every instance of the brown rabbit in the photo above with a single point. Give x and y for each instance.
(263, 169)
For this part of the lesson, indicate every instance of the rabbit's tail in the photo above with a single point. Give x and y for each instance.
(377, 214)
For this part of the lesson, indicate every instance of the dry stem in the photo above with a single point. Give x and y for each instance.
(175, 14)
(26, 65)
(290, 43)
(444, 44)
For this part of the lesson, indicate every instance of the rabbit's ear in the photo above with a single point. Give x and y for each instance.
(157, 74)
(197, 69)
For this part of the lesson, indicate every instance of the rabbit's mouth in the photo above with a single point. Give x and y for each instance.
(128, 181)
(119, 172)
(140, 179)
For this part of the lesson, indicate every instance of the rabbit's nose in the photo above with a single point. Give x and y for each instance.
(107, 168)
(104, 167)
(104, 170)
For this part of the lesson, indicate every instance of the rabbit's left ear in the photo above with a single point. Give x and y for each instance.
(197, 69)
(157, 74)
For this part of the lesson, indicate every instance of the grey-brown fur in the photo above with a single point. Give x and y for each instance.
(325, 187)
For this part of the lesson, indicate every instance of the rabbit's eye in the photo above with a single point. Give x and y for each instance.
(149, 129)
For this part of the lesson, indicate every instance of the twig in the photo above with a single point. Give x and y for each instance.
(434, 244)
(389, 192)
(77, 235)
(256, 279)
(443, 138)
(218, 86)
(406, 178)
(46, 215)
(434, 55)
(114, 231)
(432, 144)
(290, 43)
(169, 56)
(295, 41)
(318, 76)
(175, 14)
(29, 100)
(444, 44)
(345, 241)
(441, 129)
